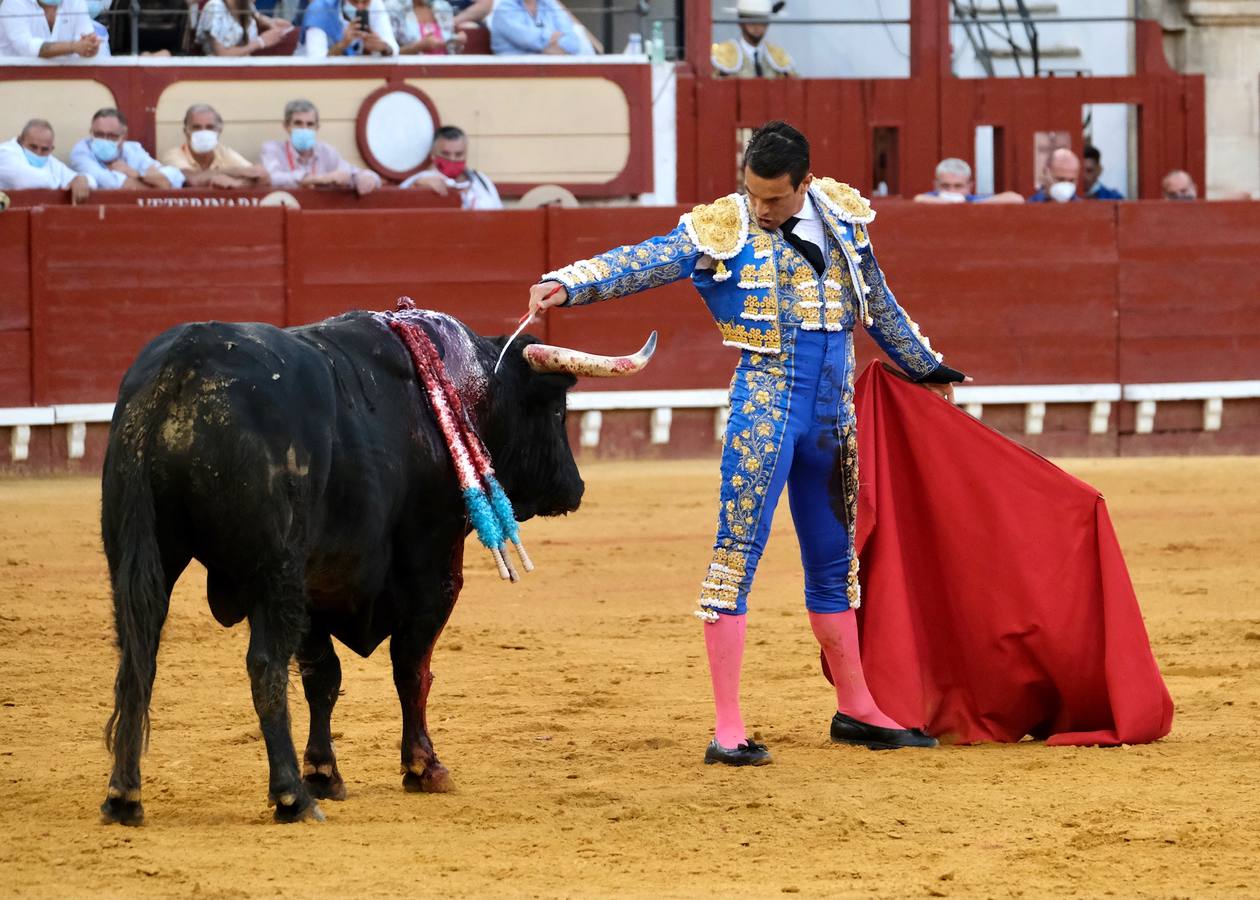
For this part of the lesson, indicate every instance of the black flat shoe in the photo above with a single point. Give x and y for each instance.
(848, 730)
(749, 753)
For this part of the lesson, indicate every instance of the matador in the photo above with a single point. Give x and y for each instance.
(787, 271)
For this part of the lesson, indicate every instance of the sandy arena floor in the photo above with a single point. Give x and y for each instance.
(573, 711)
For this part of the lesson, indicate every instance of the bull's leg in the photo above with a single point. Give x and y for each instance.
(276, 625)
(411, 649)
(321, 681)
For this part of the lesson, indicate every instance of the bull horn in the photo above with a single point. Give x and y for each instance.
(549, 358)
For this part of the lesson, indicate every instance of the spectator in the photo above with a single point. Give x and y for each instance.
(450, 172)
(1178, 185)
(418, 31)
(535, 26)
(204, 161)
(349, 28)
(27, 163)
(1091, 171)
(115, 162)
(1058, 182)
(47, 29)
(750, 55)
(235, 28)
(303, 161)
(954, 185)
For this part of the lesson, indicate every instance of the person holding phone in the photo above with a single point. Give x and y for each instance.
(348, 28)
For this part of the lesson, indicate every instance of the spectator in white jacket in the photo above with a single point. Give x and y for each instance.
(27, 163)
(47, 30)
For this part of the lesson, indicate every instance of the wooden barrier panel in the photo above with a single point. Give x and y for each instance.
(15, 309)
(1010, 296)
(105, 280)
(1188, 300)
(477, 266)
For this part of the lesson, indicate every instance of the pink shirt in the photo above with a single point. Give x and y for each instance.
(287, 167)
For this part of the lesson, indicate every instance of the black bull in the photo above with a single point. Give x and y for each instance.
(303, 468)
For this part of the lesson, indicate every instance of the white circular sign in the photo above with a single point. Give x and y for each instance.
(399, 131)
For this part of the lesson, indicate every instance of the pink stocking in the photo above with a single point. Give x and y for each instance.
(724, 640)
(837, 633)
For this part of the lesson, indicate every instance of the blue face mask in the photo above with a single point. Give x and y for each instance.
(35, 159)
(50, 2)
(95, 7)
(303, 139)
(349, 9)
(105, 151)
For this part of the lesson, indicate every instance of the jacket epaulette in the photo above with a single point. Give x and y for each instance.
(718, 229)
(845, 201)
(726, 57)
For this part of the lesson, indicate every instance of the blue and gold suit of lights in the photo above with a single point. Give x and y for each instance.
(792, 420)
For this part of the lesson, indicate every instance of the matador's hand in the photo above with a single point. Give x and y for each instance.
(545, 295)
(945, 391)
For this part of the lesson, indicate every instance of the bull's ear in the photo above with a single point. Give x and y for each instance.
(548, 385)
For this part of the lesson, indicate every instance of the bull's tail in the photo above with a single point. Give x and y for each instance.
(141, 596)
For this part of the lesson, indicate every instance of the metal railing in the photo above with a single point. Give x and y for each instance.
(1002, 28)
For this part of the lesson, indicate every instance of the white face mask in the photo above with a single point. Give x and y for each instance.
(951, 196)
(1062, 191)
(203, 141)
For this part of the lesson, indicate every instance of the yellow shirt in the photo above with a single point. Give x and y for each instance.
(182, 158)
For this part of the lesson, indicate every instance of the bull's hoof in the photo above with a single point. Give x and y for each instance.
(325, 787)
(436, 779)
(118, 809)
(297, 806)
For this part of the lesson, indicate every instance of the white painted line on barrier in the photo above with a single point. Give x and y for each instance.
(20, 443)
(662, 418)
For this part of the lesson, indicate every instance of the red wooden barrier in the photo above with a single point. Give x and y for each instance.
(1088, 292)
(475, 265)
(107, 279)
(935, 116)
(15, 309)
(1022, 298)
(1188, 299)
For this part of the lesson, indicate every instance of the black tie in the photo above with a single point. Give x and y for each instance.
(807, 249)
(757, 63)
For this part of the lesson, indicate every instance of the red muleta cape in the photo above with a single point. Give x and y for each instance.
(996, 602)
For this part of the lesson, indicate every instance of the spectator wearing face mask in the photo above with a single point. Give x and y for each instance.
(1058, 182)
(27, 163)
(348, 28)
(1091, 173)
(954, 184)
(450, 172)
(47, 29)
(114, 162)
(205, 161)
(1178, 185)
(304, 161)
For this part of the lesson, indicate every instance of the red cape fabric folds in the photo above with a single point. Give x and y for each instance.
(996, 602)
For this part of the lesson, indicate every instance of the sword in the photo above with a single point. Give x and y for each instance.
(520, 326)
